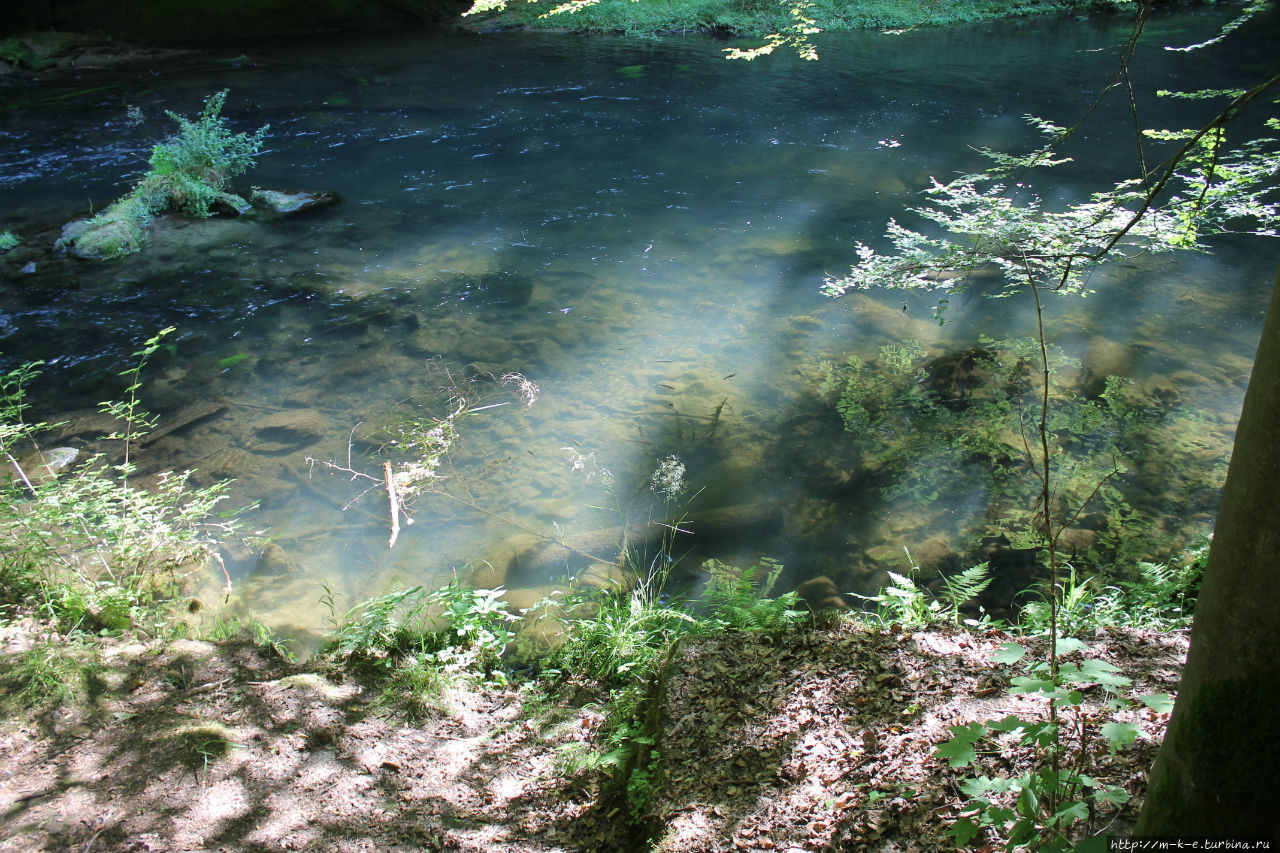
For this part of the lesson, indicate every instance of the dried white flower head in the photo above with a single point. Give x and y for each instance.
(668, 478)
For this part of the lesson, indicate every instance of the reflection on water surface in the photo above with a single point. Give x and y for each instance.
(638, 227)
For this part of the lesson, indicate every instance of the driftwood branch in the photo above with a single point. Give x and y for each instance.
(390, 479)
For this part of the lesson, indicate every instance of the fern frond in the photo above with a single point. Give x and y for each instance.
(1162, 579)
(966, 586)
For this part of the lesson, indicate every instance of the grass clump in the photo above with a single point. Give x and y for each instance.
(199, 744)
(907, 603)
(1160, 597)
(189, 173)
(20, 55)
(52, 672)
(8, 240)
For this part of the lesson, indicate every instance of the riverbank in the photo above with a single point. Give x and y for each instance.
(815, 739)
(154, 23)
(757, 18)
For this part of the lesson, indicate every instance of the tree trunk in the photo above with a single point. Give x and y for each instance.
(1217, 771)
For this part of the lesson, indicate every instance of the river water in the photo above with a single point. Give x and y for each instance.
(638, 227)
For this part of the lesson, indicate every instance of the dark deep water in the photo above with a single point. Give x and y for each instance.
(641, 228)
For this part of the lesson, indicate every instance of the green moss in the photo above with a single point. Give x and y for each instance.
(189, 173)
(1215, 776)
(118, 230)
(15, 52)
(1226, 737)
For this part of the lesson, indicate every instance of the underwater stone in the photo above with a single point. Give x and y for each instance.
(935, 555)
(290, 428)
(1076, 540)
(821, 593)
(276, 561)
(1103, 357)
(67, 241)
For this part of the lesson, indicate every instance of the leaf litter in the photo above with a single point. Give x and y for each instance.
(815, 740)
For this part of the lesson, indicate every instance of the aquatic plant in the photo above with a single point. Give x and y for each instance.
(8, 240)
(959, 429)
(189, 173)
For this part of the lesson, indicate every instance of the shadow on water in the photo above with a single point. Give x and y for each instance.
(639, 228)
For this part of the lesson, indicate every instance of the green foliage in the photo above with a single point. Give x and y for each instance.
(1162, 597)
(734, 603)
(904, 603)
(626, 640)
(8, 240)
(908, 604)
(1072, 605)
(1039, 807)
(619, 637)
(994, 221)
(420, 641)
(629, 757)
(255, 631)
(959, 590)
(87, 549)
(189, 173)
(15, 52)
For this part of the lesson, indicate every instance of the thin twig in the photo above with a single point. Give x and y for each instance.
(23, 475)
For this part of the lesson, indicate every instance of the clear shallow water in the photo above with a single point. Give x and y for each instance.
(639, 227)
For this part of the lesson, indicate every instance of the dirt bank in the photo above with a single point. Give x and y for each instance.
(819, 740)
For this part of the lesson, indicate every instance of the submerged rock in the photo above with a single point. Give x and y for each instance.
(289, 429)
(821, 593)
(524, 561)
(288, 204)
(275, 561)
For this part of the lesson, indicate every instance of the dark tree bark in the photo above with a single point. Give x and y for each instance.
(1218, 772)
